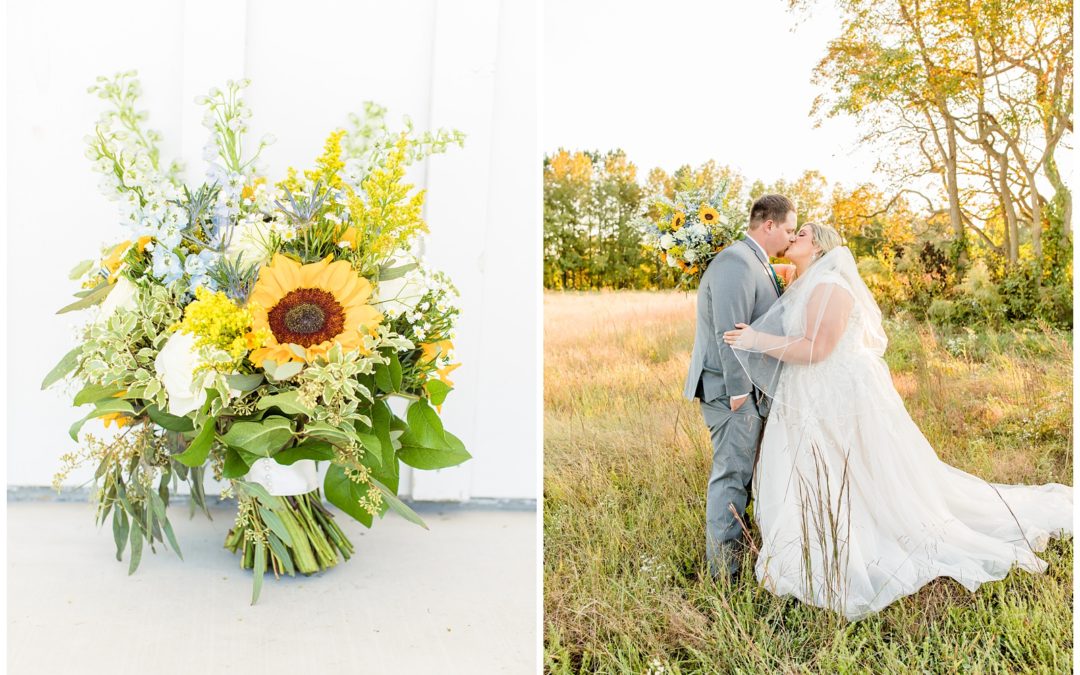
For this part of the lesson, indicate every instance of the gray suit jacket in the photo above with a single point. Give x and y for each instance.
(737, 287)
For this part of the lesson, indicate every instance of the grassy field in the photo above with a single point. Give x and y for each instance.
(626, 462)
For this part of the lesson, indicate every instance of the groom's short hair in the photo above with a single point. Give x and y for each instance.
(769, 207)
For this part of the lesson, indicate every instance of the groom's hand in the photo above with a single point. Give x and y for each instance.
(737, 401)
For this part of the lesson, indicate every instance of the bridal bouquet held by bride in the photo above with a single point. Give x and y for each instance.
(855, 508)
(250, 330)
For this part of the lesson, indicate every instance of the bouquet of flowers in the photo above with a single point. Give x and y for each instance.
(690, 229)
(252, 329)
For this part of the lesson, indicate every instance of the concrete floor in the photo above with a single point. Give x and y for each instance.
(460, 598)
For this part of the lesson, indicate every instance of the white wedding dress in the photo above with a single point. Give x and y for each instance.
(854, 506)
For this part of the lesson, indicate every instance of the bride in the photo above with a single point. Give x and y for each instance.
(855, 508)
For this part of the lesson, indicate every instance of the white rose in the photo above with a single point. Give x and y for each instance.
(122, 296)
(399, 295)
(175, 365)
(248, 239)
(667, 241)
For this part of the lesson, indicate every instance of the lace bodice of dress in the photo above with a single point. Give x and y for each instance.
(795, 321)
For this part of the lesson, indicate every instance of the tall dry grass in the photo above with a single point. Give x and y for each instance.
(627, 460)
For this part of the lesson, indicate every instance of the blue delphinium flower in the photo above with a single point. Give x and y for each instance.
(198, 267)
(166, 264)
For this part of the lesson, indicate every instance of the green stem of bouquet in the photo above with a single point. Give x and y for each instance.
(316, 539)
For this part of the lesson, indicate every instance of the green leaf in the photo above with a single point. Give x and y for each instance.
(382, 378)
(105, 407)
(286, 402)
(276, 526)
(287, 370)
(169, 421)
(120, 531)
(345, 494)
(244, 382)
(329, 432)
(80, 269)
(387, 273)
(259, 570)
(399, 506)
(310, 449)
(395, 372)
(372, 448)
(422, 457)
(235, 466)
(136, 547)
(259, 492)
(199, 450)
(261, 439)
(281, 552)
(97, 295)
(425, 426)
(93, 393)
(381, 421)
(437, 391)
(66, 365)
(159, 508)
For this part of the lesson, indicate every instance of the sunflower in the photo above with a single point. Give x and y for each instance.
(304, 310)
(708, 215)
(677, 220)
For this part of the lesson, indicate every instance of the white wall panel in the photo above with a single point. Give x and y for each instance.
(465, 65)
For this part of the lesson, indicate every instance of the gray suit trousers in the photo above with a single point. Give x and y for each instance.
(735, 438)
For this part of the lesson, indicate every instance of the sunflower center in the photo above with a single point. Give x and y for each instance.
(306, 316)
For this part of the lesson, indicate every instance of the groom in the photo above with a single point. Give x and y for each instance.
(738, 286)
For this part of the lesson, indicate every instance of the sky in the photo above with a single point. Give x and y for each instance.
(681, 82)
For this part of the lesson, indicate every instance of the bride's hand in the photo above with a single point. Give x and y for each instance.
(741, 331)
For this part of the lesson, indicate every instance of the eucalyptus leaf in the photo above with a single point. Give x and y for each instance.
(259, 570)
(66, 365)
(111, 405)
(136, 538)
(276, 526)
(97, 295)
(278, 547)
(287, 370)
(387, 273)
(244, 381)
(399, 506)
(92, 393)
(120, 531)
(79, 270)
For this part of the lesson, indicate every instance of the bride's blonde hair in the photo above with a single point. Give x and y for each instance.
(825, 237)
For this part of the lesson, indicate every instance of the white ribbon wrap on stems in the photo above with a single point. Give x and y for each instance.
(280, 480)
